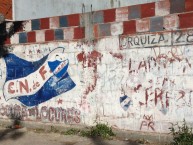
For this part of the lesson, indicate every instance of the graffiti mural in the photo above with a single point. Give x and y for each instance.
(34, 82)
(140, 87)
(44, 113)
(147, 122)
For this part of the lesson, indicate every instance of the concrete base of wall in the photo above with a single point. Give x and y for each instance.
(120, 134)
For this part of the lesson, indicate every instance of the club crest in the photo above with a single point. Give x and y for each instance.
(35, 82)
(125, 102)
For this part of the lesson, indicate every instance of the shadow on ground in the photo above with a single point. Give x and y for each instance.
(13, 131)
(100, 141)
(10, 134)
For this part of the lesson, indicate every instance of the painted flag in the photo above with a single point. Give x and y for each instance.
(35, 82)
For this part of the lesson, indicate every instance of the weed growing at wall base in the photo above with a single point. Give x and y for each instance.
(100, 130)
(182, 134)
(71, 131)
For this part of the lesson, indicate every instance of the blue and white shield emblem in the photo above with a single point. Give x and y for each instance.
(125, 102)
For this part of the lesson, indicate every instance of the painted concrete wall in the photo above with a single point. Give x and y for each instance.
(136, 74)
(47, 8)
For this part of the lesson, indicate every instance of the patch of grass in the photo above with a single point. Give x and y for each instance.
(182, 134)
(100, 130)
(71, 131)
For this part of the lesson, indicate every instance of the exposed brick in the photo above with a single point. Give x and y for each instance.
(143, 25)
(96, 31)
(98, 17)
(31, 36)
(171, 22)
(188, 5)
(54, 22)
(40, 36)
(177, 6)
(186, 20)
(59, 35)
(35, 24)
(44, 23)
(147, 10)
(49, 35)
(156, 24)
(134, 12)
(68, 33)
(79, 33)
(73, 20)
(109, 15)
(129, 27)
(162, 8)
(122, 14)
(23, 37)
(104, 30)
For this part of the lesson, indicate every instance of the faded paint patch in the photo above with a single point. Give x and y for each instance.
(40, 36)
(68, 33)
(171, 22)
(122, 14)
(116, 29)
(162, 8)
(143, 25)
(54, 22)
(15, 39)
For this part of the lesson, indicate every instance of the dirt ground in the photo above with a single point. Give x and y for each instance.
(25, 136)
